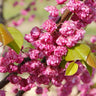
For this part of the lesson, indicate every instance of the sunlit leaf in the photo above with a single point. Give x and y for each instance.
(79, 52)
(16, 44)
(91, 60)
(5, 36)
(72, 69)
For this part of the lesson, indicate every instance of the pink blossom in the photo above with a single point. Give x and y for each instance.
(46, 38)
(24, 12)
(49, 49)
(70, 34)
(93, 39)
(49, 71)
(43, 79)
(14, 23)
(61, 41)
(45, 90)
(39, 90)
(53, 60)
(28, 38)
(55, 19)
(21, 3)
(92, 92)
(34, 54)
(19, 22)
(94, 51)
(52, 10)
(39, 45)
(60, 1)
(62, 10)
(35, 32)
(33, 3)
(60, 51)
(15, 89)
(15, 3)
(2, 93)
(49, 25)
(67, 28)
(82, 10)
(85, 77)
(14, 79)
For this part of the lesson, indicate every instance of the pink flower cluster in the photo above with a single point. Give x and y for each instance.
(70, 34)
(45, 47)
(52, 10)
(8, 62)
(51, 45)
(84, 12)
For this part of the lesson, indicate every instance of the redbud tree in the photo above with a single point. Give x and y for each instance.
(58, 57)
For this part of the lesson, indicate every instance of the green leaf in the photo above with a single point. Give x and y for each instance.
(72, 69)
(89, 68)
(79, 52)
(63, 63)
(17, 43)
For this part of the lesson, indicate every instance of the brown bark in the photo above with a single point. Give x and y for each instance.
(2, 20)
(5, 81)
(20, 93)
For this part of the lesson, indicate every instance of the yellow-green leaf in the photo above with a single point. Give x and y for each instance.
(17, 43)
(91, 60)
(72, 69)
(79, 52)
(5, 36)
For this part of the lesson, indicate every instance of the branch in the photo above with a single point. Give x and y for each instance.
(20, 93)
(65, 16)
(2, 20)
(19, 14)
(5, 80)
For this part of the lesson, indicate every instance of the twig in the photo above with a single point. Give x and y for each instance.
(20, 93)
(5, 80)
(65, 16)
(2, 20)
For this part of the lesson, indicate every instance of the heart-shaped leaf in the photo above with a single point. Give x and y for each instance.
(17, 43)
(5, 36)
(71, 69)
(79, 52)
